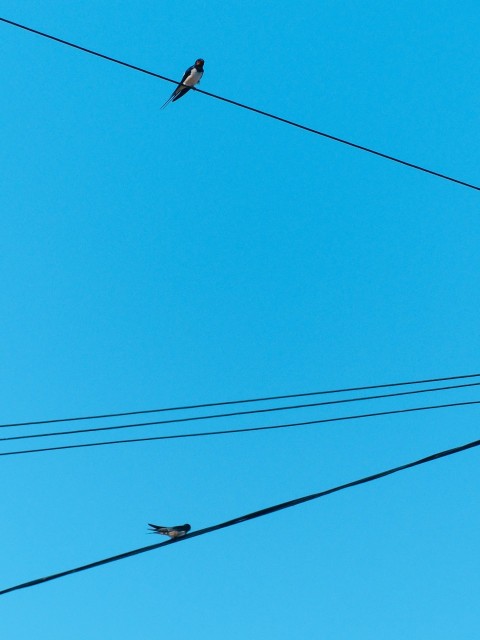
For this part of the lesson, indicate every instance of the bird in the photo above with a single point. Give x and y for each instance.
(191, 77)
(172, 532)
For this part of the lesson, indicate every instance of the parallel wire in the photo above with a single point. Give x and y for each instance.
(239, 413)
(244, 401)
(249, 516)
(243, 430)
(244, 106)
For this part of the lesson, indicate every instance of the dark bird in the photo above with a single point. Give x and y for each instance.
(172, 532)
(191, 77)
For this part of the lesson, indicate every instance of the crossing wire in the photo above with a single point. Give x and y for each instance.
(396, 394)
(235, 402)
(245, 518)
(244, 106)
(243, 430)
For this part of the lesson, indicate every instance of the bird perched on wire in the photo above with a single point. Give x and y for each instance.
(172, 532)
(191, 77)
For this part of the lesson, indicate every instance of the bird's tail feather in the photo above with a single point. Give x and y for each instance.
(168, 101)
(157, 529)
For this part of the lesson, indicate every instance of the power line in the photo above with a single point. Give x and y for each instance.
(244, 106)
(233, 402)
(243, 430)
(237, 413)
(248, 516)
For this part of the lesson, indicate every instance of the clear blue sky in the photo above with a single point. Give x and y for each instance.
(154, 258)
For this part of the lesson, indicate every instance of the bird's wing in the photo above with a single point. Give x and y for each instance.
(186, 74)
(181, 89)
(178, 94)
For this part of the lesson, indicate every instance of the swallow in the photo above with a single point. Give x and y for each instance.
(172, 532)
(191, 77)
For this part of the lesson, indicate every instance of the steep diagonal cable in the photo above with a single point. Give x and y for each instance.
(324, 403)
(247, 107)
(249, 516)
(242, 430)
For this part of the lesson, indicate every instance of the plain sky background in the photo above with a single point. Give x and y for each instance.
(202, 253)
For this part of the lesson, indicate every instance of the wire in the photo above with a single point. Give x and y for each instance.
(248, 516)
(237, 413)
(243, 430)
(244, 106)
(232, 402)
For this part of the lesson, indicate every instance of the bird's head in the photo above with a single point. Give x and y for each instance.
(187, 527)
(199, 63)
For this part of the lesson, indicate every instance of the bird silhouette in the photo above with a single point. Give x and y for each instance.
(172, 532)
(191, 77)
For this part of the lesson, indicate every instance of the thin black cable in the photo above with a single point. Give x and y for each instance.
(243, 430)
(248, 516)
(239, 413)
(232, 402)
(244, 106)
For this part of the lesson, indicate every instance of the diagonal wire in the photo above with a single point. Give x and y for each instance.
(249, 516)
(247, 107)
(396, 394)
(244, 401)
(243, 430)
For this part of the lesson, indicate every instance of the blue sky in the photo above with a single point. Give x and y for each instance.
(154, 258)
